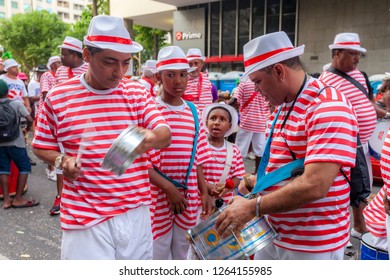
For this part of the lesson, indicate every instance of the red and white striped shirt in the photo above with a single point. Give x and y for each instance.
(75, 117)
(47, 82)
(174, 162)
(65, 73)
(198, 91)
(320, 128)
(364, 110)
(374, 213)
(213, 169)
(256, 113)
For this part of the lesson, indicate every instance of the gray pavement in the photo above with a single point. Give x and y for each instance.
(32, 234)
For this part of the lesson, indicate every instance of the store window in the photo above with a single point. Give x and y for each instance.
(214, 28)
(228, 27)
(289, 18)
(14, 5)
(257, 18)
(243, 24)
(273, 16)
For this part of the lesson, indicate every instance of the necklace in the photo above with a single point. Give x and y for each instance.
(176, 109)
(212, 153)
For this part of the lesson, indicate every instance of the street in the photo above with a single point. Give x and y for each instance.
(32, 234)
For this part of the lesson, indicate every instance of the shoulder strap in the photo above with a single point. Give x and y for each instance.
(228, 163)
(349, 79)
(248, 101)
(196, 121)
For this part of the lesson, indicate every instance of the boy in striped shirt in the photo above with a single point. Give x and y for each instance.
(175, 208)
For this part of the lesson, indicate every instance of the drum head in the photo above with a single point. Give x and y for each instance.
(378, 138)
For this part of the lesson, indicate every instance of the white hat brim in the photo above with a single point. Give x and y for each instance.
(232, 111)
(12, 65)
(70, 48)
(133, 48)
(272, 60)
(203, 58)
(347, 47)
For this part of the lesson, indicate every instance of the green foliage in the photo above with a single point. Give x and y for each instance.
(145, 36)
(32, 37)
(80, 28)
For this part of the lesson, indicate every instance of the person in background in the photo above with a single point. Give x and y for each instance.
(346, 52)
(177, 182)
(199, 86)
(34, 89)
(72, 60)
(16, 151)
(322, 138)
(103, 215)
(149, 79)
(47, 82)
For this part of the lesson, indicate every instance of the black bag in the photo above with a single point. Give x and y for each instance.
(360, 178)
(9, 122)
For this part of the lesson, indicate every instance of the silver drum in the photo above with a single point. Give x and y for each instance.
(208, 245)
(122, 152)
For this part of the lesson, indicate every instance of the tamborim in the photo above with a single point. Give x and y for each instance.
(378, 138)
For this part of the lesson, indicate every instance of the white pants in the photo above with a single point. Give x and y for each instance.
(171, 246)
(244, 139)
(272, 252)
(388, 232)
(124, 237)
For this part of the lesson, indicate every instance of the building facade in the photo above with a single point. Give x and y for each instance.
(68, 10)
(221, 27)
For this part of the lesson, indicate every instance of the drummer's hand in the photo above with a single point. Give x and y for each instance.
(147, 144)
(212, 189)
(177, 201)
(234, 217)
(243, 188)
(71, 170)
(386, 204)
(207, 205)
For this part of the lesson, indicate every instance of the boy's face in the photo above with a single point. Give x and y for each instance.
(218, 122)
(174, 82)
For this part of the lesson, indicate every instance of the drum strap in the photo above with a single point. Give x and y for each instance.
(194, 146)
(349, 79)
(228, 163)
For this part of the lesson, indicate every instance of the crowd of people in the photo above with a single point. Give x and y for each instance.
(79, 103)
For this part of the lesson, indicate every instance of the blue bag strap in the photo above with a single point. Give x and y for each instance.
(196, 121)
(277, 175)
(176, 184)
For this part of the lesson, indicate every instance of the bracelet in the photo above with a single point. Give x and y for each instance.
(258, 206)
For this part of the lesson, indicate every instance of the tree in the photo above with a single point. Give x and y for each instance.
(32, 37)
(80, 28)
(151, 39)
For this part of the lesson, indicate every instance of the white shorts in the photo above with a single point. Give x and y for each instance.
(272, 252)
(244, 139)
(124, 237)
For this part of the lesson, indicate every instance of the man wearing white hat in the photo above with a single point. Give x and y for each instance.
(17, 88)
(314, 128)
(72, 60)
(346, 52)
(199, 86)
(47, 82)
(103, 215)
(149, 79)
(175, 206)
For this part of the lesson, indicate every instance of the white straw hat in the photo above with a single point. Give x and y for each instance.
(349, 41)
(108, 32)
(230, 109)
(10, 63)
(172, 58)
(51, 60)
(72, 44)
(194, 54)
(267, 50)
(150, 65)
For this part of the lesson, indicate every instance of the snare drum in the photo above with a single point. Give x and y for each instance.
(208, 245)
(368, 250)
(378, 138)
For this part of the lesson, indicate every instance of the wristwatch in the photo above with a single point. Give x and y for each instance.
(58, 161)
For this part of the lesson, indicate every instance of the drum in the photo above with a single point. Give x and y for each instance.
(13, 181)
(208, 245)
(368, 251)
(122, 152)
(378, 138)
